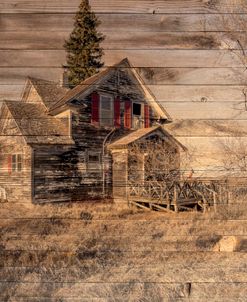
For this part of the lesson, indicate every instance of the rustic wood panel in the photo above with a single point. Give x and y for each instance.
(152, 76)
(198, 93)
(193, 76)
(137, 40)
(231, 98)
(118, 22)
(138, 58)
(16, 76)
(37, 40)
(127, 6)
(210, 111)
(178, 88)
(10, 94)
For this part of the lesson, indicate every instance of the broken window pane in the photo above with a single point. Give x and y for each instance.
(136, 109)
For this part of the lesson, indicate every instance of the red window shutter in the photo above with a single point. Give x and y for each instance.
(9, 164)
(146, 116)
(127, 114)
(95, 108)
(117, 112)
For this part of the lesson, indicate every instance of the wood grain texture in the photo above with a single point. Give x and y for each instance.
(151, 76)
(139, 58)
(129, 40)
(138, 40)
(175, 46)
(127, 6)
(120, 22)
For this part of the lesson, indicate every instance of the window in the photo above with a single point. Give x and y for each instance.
(137, 112)
(137, 109)
(106, 110)
(16, 163)
(94, 158)
(94, 161)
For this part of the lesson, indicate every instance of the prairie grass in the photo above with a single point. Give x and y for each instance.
(107, 253)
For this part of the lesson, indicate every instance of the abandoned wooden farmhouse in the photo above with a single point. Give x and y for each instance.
(88, 142)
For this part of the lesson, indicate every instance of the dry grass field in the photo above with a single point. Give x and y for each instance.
(98, 252)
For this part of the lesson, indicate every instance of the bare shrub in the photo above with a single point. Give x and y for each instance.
(207, 242)
(84, 254)
(86, 217)
(155, 159)
(54, 226)
(230, 212)
(242, 246)
(234, 38)
(158, 235)
(234, 155)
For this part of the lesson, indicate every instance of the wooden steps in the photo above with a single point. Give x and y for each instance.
(177, 195)
(161, 206)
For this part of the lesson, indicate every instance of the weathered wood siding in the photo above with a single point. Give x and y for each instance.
(90, 138)
(54, 173)
(18, 184)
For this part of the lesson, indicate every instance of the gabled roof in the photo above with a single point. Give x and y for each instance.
(89, 84)
(81, 88)
(49, 92)
(140, 133)
(35, 125)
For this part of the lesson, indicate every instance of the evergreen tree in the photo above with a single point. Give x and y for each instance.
(83, 46)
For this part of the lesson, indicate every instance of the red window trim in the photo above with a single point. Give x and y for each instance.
(95, 108)
(128, 114)
(146, 116)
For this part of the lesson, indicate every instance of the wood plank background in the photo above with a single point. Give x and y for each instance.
(127, 6)
(177, 46)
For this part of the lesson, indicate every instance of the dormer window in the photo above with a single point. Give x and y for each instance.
(137, 109)
(137, 112)
(106, 110)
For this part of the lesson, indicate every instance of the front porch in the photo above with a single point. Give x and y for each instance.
(146, 173)
(174, 196)
(145, 155)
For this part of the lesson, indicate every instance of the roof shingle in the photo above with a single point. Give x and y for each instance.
(36, 125)
(50, 92)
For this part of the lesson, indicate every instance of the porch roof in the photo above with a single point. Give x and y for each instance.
(140, 133)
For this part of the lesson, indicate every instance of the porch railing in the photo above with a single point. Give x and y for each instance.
(178, 194)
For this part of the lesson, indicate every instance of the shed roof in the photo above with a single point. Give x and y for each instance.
(140, 133)
(36, 126)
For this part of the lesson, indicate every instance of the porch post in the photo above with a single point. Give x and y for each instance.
(141, 169)
(120, 175)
